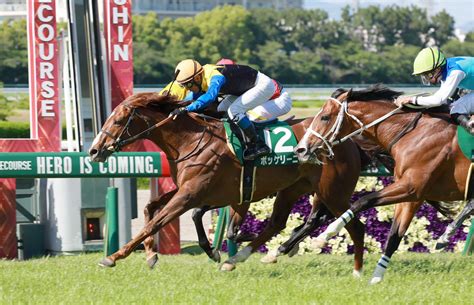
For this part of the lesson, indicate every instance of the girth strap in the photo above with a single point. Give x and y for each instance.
(404, 131)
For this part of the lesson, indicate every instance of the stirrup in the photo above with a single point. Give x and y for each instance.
(253, 153)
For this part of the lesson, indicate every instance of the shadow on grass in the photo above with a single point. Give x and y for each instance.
(191, 249)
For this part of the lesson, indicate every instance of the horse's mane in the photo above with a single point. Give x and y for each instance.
(155, 101)
(376, 92)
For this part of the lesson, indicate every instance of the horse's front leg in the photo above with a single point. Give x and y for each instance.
(150, 209)
(183, 200)
(237, 216)
(281, 210)
(467, 211)
(404, 213)
(198, 213)
(396, 192)
(319, 214)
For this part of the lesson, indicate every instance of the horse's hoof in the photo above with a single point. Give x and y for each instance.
(319, 243)
(107, 262)
(227, 266)
(357, 274)
(441, 245)
(294, 251)
(216, 256)
(152, 260)
(375, 280)
(270, 258)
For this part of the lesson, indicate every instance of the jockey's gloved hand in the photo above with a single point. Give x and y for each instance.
(178, 111)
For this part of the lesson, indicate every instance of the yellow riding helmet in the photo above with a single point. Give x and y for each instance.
(427, 60)
(186, 70)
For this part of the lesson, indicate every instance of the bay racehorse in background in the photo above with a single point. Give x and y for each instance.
(207, 173)
(429, 165)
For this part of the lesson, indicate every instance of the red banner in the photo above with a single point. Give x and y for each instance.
(118, 31)
(43, 68)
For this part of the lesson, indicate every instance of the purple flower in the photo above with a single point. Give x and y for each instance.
(378, 230)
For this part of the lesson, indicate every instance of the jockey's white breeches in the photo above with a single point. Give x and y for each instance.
(464, 105)
(256, 101)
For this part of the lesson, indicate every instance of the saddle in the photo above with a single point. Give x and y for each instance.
(279, 137)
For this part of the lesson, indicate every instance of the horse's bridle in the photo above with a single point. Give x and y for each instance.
(328, 144)
(119, 143)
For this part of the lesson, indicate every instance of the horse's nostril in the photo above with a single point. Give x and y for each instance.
(93, 151)
(300, 150)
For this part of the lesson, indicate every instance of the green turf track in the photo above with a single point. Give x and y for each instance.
(192, 279)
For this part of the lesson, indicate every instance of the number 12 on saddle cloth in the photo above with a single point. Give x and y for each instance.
(278, 136)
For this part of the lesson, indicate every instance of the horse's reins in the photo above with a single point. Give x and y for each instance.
(118, 143)
(195, 150)
(335, 129)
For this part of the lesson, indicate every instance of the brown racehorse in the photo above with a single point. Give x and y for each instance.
(207, 173)
(429, 164)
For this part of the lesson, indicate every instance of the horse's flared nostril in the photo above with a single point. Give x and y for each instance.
(93, 152)
(300, 150)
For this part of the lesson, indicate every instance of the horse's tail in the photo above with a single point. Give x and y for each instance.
(445, 208)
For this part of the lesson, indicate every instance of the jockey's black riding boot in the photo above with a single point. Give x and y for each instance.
(464, 121)
(255, 147)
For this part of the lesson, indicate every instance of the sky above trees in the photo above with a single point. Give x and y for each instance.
(461, 10)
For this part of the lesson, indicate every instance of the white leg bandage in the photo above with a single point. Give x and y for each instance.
(336, 226)
(380, 269)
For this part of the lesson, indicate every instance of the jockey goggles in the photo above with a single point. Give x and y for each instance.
(428, 76)
(187, 85)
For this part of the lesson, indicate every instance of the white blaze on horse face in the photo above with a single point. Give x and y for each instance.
(96, 139)
(304, 141)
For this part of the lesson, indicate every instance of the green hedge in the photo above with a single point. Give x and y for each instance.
(10, 130)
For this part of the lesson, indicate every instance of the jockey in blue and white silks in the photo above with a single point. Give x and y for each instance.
(452, 73)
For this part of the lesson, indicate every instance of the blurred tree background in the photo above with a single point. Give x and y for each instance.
(295, 46)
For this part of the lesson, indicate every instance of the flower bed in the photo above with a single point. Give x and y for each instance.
(421, 236)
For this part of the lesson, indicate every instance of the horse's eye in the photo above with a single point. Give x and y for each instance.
(325, 118)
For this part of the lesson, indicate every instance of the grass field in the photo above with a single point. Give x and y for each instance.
(192, 279)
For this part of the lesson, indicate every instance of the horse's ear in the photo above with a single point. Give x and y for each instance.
(338, 92)
(349, 95)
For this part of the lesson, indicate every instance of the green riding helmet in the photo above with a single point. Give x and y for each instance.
(427, 60)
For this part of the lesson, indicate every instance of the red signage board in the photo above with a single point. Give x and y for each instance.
(43, 59)
(118, 34)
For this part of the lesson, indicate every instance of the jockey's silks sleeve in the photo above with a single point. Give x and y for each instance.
(441, 96)
(191, 96)
(215, 85)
